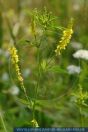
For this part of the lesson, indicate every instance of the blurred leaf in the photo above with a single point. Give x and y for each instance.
(57, 69)
(10, 30)
(23, 42)
(23, 101)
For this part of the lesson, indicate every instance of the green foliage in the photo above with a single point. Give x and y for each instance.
(81, 97)
(53, 92)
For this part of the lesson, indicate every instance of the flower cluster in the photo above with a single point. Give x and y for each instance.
(65, 39)
(81, 54)
(15, 61)
(81, 97)
(72, 69)
(14, 90)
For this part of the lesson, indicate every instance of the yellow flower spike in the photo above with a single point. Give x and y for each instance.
(65, 39)
(18, 73)
(14, 56)
(15, 60)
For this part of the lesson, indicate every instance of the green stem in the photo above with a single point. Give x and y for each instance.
(26, 96)
(3, 123)
(1, 29)
(81, 117)
(38, 81)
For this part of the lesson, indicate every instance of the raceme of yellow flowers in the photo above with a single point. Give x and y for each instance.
(65, 39)
(15, 61)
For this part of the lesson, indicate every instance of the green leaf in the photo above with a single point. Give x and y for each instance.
(57, 69)
(23, 42)
(23, 101)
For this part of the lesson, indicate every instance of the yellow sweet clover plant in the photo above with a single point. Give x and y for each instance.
(45, 21)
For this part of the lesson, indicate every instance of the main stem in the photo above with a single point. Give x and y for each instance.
(38, 81)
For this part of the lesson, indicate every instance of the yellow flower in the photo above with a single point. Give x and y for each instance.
(34, 122)
(15, 61)
(14, 56)
(18, 73)
(65, 39)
